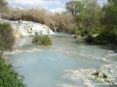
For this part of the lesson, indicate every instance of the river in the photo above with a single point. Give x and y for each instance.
(45, 66)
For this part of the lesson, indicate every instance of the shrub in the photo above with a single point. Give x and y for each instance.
(6, 36)
(107, 37)
(8, 76)
(42, 40)
(81, 32)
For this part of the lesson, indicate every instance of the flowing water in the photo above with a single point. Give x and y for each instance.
(44, 66)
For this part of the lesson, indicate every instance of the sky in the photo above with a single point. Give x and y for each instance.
(52, 5)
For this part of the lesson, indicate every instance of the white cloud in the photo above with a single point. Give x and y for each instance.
(50, 4)
(25, 3)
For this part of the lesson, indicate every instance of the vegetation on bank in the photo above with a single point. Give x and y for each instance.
(42, 40)
(108, 33)
(104, 38)
(96, 24)
(84, 18)
(8, 76)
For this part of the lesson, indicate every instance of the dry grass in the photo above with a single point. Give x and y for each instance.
(56, 21)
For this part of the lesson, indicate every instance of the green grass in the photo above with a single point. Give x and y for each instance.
(8, 76)
(42, 40)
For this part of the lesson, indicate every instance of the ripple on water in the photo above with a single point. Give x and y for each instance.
(44, 66)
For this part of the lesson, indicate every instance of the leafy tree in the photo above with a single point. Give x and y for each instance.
(108, 34)
(73, 7)
(89, 15)
(109, 21)
(110, 18)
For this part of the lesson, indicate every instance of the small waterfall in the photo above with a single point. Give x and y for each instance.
(28, 28)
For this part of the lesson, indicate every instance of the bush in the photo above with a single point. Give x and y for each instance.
(8, 77)
(107, 37)
(42, 40)
(6, 36)
(81, 32)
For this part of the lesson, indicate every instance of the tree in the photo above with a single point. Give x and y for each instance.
(73, 7)
(89, 15)
(109, 21)
(110, 18)
(108, 33)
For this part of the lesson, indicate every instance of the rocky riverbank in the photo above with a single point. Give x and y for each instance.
(105, 75)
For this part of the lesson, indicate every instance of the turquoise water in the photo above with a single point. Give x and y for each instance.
(45, 66)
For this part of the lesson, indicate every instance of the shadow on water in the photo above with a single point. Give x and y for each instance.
(112, 47)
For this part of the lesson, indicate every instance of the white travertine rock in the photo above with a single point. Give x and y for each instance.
(28, 28)
(106, 74)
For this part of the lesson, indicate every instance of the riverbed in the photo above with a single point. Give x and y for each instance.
(46, 66)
